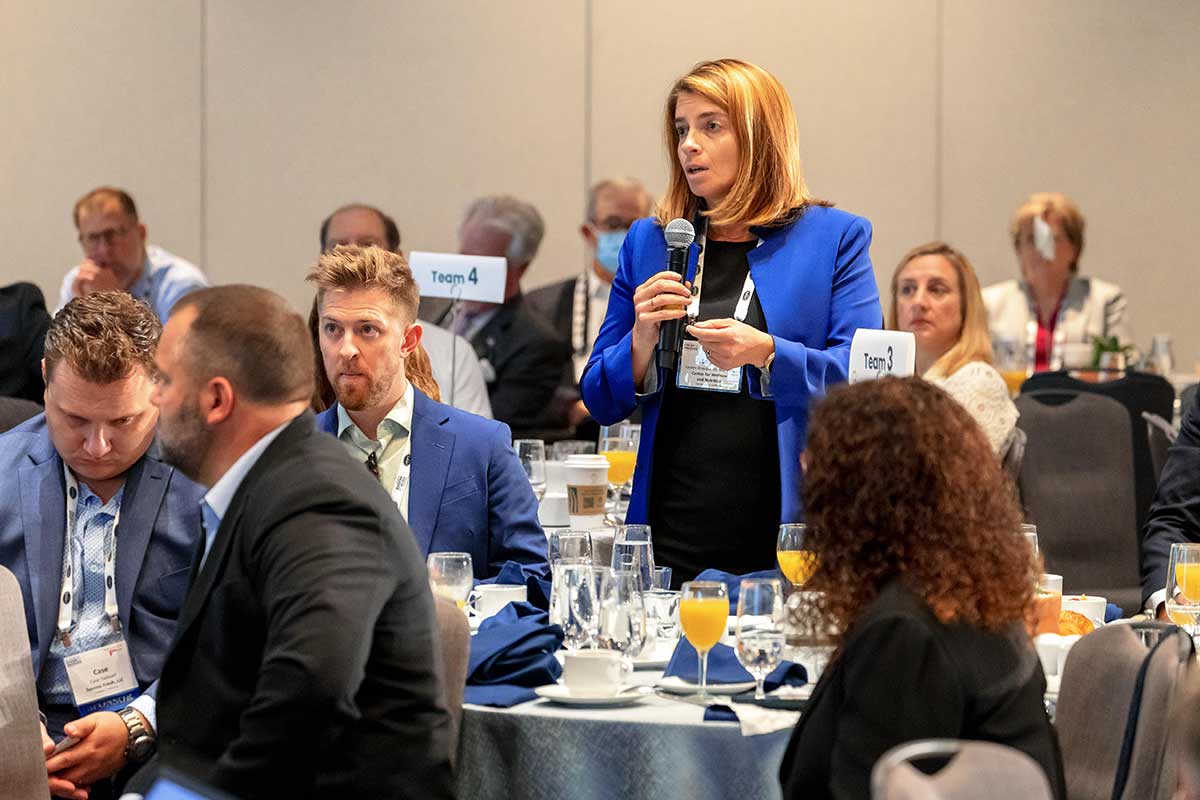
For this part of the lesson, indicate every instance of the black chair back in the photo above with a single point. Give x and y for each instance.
(1077, 485)
(14, 411)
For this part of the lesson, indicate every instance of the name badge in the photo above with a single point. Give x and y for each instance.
(697, 372)
(102, 678)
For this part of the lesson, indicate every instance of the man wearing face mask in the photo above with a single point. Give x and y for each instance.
(575, 307)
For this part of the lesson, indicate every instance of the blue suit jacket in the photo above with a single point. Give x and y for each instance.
(468, 493)
(157, 537)
(815, 282)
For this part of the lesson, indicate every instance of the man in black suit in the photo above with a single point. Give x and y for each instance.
(521, 357)
(304, 659)
(23, 325)
(1174, 514)
(576, 307)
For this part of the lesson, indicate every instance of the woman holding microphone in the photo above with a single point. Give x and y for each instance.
(776, 285)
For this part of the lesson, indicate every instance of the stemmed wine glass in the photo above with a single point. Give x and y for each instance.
(532, 453)
(704, 615)
(621, 452)
(759, 628)
(1183, 587)
(796, 561)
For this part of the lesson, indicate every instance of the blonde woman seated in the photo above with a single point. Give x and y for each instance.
(936, 297)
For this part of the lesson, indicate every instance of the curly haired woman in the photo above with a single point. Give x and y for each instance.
(925, 575)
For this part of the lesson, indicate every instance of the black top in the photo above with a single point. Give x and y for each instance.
(714, 490)
(23, 324)
(903, 675)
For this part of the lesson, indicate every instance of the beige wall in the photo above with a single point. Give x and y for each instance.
(238, 126)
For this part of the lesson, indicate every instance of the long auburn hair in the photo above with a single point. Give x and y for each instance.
(769, 187)
(901, 483)
(974, 340)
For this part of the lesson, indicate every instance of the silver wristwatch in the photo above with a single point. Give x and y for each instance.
(141, 742)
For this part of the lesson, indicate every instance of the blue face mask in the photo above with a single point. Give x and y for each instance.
(608, 248)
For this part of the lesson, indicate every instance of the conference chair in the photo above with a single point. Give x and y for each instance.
(22, 764)
(1077, 486)
(15, 410)
(1186, 398)
(454, 637)
(1161, 435)
(1137, 392)
(975, 771)
(1117, 687)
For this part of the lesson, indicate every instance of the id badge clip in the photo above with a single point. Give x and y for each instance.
(102, 678)
(697, 372)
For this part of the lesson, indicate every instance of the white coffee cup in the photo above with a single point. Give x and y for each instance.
(488, 598)
(587, 489)
(1091, 606)
(1048, 646)
(595, 672)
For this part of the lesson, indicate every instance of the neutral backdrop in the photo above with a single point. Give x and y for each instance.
(238, 125)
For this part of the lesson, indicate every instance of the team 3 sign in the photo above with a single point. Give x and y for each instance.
(874, 354)
(459, 277)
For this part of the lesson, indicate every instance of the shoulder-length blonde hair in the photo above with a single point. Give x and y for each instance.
(1040, 204)
(974, 341)
(769, 186)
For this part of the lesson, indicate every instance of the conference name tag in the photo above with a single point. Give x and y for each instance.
(457, 277)
(874, 354)
(102, 678)
(697, 372)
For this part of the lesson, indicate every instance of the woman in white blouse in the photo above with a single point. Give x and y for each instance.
(936, 297)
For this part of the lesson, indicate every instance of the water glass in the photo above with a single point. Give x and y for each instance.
(532, 453)
(622, 625)
(571, 547)
(796, 561)
(662, 609)
(808, 632)
(635, 556)
(571, 447)
(1029, 531)
(662, 578)
(574, 605)
(631, 431)
(704, 616)
(759, 628)
(451, 575)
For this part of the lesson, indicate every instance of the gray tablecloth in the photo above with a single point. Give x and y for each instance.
(658, 748)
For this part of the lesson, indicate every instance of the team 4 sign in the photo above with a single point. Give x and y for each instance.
(459, 277)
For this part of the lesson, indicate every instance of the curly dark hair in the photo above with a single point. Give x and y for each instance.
(902, 483)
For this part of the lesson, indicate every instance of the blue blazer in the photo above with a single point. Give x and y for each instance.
(158, 535)
(469, 493)
(815, 282)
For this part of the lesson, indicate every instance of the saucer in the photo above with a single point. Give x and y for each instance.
(557, 693)
(676, 685)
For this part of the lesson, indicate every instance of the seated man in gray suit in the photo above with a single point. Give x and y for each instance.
(100, 534)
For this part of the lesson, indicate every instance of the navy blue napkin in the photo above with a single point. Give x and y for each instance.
(1112, 612)
(733, 583)
(512, 653)
(719, 713)
(513, 573)
(723, 667)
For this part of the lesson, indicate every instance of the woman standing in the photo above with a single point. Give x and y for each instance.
(776, 286)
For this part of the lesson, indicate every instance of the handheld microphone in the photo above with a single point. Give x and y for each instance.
(680, 234)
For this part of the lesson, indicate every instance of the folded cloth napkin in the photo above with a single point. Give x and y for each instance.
(513, 573)
(723, 667)
(754, 720)
(1112, 612)
(733, 583)
(512, 653)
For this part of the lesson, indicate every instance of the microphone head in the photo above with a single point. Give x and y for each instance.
(679, 233)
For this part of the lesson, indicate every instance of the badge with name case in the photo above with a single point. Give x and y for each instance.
(697, 372)
(102, 678)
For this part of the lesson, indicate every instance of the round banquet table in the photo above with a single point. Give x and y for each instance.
(656, 748)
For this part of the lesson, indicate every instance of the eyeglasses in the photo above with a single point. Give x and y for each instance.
(108, 236)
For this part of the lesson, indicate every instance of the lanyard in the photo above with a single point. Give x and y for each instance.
(743, 303)
(66, 605)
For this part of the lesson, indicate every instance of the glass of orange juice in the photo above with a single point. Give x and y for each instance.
(621, 452)
(1183, 586)
(796, 561)
(704, 617)
(1012, 362)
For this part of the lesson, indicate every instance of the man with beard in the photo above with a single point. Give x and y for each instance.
(304, 665)
(453, 475)
(99, 533)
